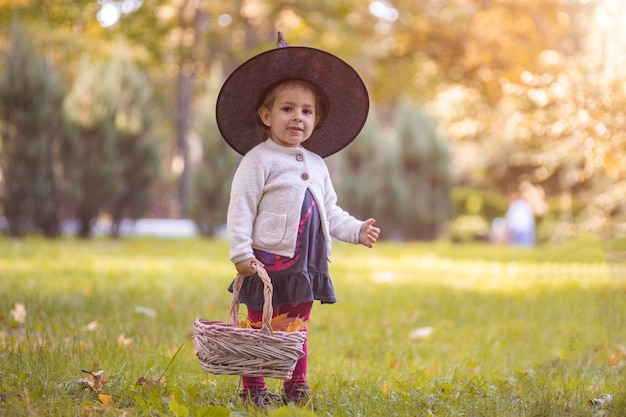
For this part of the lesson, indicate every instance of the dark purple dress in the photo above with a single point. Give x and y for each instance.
(303, 278)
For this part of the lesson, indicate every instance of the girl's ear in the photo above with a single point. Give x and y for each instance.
(264, 115)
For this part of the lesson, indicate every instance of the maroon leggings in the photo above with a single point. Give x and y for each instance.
(299, 373)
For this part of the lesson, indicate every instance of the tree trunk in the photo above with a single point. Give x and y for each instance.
(185, 82)
(189, 21)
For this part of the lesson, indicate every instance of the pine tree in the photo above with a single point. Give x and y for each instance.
(114, 160)
(398, 174)
(359, 175)
(423, 174)
(138, 153)
(32, 133)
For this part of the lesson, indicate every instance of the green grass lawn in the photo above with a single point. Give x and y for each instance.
(419, 330)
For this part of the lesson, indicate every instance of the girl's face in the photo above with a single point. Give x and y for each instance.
(291, 118)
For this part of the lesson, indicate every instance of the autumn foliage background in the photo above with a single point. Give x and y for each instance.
(469, 99)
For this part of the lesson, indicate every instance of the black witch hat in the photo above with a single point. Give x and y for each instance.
(243, 91)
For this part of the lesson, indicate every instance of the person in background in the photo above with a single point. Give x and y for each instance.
(520, 221)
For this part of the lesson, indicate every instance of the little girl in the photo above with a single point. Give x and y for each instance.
(283, 208)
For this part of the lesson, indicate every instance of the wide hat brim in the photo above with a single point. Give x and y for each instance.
(238, 100)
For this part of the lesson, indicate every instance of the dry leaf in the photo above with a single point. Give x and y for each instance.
(105, 399)
(601, 407)
(296, 324)
(19, 313)
(280, 323)
(421, 332)
(145, 310)
(95, 381)
(244, 324)
(124, 341)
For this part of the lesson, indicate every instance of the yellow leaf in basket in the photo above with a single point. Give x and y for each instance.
(283, 323)
(280, 322)
(296, 324)
(244, 324)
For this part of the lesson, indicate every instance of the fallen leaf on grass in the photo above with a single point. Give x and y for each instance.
(95, 381)
(92, 326)
(124, 341)
(146, 311)
(601, 407)
(105, 399)
(151, 382)
(19, 313)
(386, 388)
(421, 333)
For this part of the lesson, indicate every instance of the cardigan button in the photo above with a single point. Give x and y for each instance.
(304, 176)
(299, 157)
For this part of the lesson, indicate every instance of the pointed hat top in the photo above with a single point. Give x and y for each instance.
(281, 43)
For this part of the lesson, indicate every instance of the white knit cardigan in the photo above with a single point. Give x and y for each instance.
(266, 200)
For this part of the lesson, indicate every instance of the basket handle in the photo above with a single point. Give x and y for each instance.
(268, 289)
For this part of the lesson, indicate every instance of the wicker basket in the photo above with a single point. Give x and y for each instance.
(225, 349)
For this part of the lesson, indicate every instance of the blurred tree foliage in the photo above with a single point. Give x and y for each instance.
(114, 160)
(509, 79)
(399, 174)
(138, 158)
(32, 134)
(211, 176)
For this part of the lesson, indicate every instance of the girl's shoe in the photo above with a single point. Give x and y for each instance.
(297, 393)
(258, 397)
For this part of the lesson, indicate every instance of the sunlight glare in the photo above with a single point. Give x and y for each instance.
(225, 20)
(111, 11)
(384, 10)
(109, 14)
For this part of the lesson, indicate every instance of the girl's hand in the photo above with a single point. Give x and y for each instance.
(244, 268)
(368, 234)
